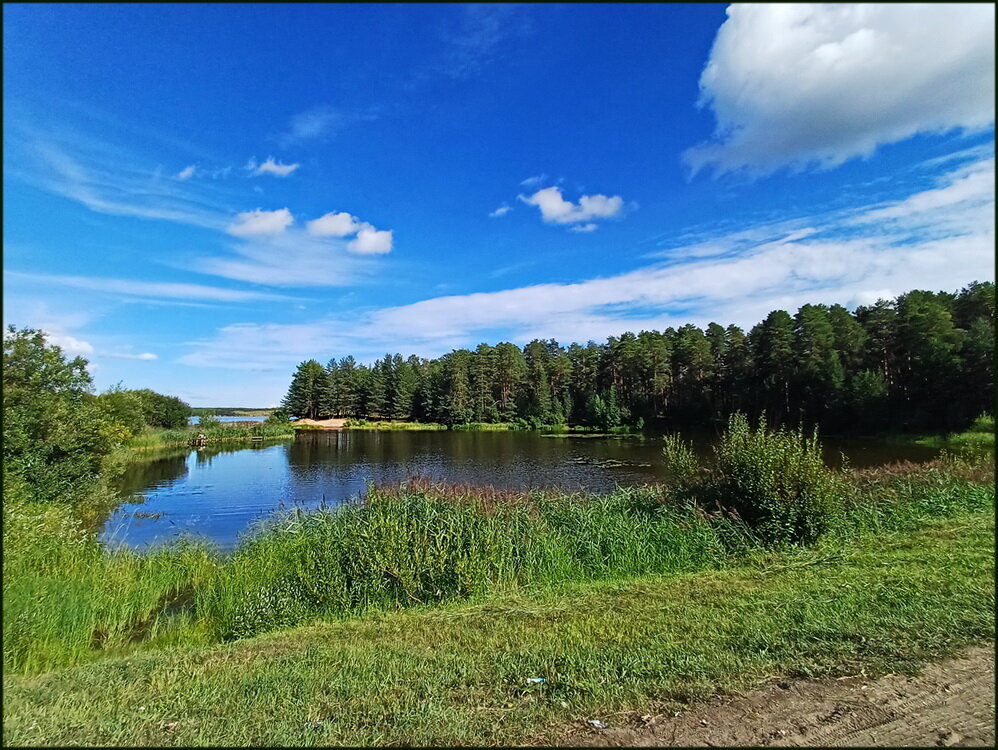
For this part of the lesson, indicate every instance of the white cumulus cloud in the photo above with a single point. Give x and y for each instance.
(334, 224)
(371, 241)
(69, 345)
(368, 240)
(813, 84)
(250, 223)
(186, 173)
(501, 211)
(556, 210)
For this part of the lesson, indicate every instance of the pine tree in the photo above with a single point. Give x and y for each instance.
(309, 389)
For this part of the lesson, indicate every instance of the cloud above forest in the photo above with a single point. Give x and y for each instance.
(800, 85)
(936, 238)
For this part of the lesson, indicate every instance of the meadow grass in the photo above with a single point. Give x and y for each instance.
(458, 673)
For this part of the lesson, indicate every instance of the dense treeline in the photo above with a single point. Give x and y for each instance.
(922, 361)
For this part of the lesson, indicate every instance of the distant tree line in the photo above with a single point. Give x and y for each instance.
(923, 361)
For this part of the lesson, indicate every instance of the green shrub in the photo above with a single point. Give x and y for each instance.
(773, 480)
(277, 416)
(208, 422)
(984, 423)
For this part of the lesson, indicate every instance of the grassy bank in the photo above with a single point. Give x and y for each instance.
(152, 439)
(459, 673)
(979, 437)
(67, 599)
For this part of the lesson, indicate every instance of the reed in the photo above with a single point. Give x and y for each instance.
(151, 439)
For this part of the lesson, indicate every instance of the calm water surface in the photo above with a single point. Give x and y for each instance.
(219, 493)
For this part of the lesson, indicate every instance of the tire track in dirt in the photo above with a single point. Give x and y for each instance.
(950, 703)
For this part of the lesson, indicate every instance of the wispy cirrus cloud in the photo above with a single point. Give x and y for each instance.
(144, 357)
(117, 190)
(535, 180)
(736, 277)
(110, 180)
(271, 167)
(148, 289)
(481, 34)
(321, 123)
(106, 178)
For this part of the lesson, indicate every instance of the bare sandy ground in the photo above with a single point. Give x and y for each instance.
(951, 703)
(330, 424)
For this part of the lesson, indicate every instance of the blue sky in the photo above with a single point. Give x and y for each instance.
(197, 198)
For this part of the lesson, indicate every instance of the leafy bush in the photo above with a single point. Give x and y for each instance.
(773, 480)
(167, 412)
(208, 422)
(277, 416)
(55, 431)
(124, 406)
(984, 423)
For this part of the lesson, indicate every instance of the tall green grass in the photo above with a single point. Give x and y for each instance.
(422, 543)
(68, 598)
(151, 438)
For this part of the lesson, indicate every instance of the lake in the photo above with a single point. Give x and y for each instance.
(219, 492)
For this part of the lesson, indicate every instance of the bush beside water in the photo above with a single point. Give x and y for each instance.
(773, 480)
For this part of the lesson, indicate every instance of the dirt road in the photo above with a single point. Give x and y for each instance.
(951, 703)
